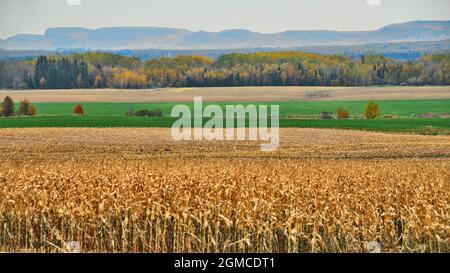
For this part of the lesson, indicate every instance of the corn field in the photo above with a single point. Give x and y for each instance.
(135, 190)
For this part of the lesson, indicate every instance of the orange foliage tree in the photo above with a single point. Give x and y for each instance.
(342, 113)
(32, 110)
(78, 110)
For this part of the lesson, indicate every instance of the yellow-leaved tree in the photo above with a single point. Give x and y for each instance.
(372, 110)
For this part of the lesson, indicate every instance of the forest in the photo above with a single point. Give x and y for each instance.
(292, 68)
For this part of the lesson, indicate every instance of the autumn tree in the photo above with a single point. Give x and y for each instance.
(372, 110)
(24, 108)
(32, 111)
(8, 107)
(98, 81)
(125, 78)
(342, 113)
(78, 110)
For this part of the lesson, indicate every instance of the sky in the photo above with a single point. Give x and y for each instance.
(265, 16)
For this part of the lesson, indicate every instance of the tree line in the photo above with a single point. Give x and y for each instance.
(106, 70)
(59, 74)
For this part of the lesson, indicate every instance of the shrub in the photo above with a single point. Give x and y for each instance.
(24, 108)
(342, 113)
(155, 113)
(326, 115)
(78, 110)
(8, 107)
(32, 111)
(148, 113)
(372, 110)
(142, 113)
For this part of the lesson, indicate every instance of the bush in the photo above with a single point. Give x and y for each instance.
(148, 113)
(8, 107)
(32, 111)
(78, 110)
(155, 113)
(326, 115)
(142, 113)
(342, 113)
(372, 110)
(24, 108)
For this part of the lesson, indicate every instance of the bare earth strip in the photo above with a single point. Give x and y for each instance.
(239, 94)
(136, 190)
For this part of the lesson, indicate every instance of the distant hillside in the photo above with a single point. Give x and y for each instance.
(403, 51)
(406, 51)
(169, 38)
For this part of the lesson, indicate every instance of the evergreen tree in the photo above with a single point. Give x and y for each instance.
(3, 81)
(40, 71)
(83, 76)
(28, 80)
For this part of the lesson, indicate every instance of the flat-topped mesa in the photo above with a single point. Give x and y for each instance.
(174, 38)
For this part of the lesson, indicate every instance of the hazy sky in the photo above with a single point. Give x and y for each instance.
(34, 16)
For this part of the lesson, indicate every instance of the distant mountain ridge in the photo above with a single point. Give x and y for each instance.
(405, 51)
(172, 38)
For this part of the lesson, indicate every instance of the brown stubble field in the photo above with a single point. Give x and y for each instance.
(239, 94)
(135, 190)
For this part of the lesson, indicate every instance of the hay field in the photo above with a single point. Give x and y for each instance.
(229, 94)
(135, 190)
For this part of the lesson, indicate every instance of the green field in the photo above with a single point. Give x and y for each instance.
(385, 125)
(295, 108)
(292, 115)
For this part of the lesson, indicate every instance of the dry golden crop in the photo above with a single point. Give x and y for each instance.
(135, 190)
